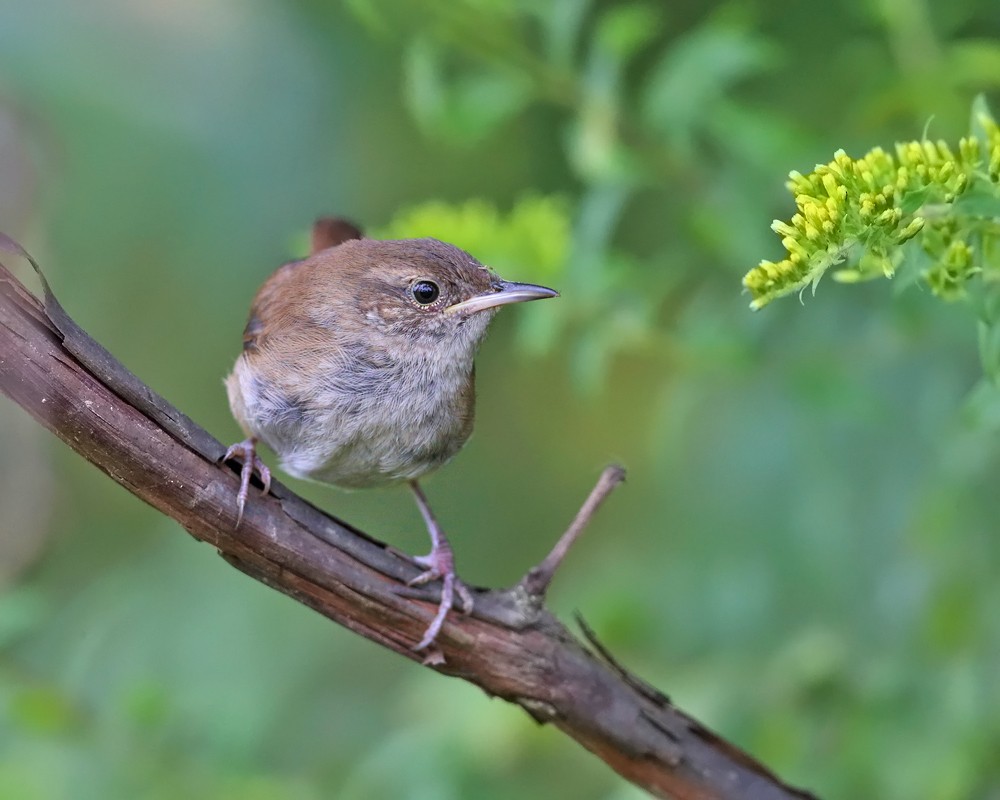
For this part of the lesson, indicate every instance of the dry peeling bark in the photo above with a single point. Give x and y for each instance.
(511, 647)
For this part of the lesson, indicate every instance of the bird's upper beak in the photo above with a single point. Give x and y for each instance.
(504, 293)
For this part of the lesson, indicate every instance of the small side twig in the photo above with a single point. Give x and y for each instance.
(536, 581)
(633, 680)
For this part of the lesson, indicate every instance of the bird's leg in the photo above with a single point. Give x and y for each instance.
(246, 451)
(440, 563)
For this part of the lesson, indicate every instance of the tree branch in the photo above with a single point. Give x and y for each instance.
(511, 647)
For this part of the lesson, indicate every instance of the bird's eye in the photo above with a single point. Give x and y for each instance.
(425, 292)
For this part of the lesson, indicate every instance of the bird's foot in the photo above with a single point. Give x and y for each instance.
(246, 451)
(440, 563)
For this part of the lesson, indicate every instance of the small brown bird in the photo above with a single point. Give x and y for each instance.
(357, 369)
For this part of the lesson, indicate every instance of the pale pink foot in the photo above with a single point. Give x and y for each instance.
(440, 563)
(246, 451)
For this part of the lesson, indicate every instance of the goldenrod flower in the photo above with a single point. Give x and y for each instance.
(860, 212)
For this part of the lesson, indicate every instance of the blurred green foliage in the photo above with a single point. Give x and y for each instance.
(534, 236)
(806, 555)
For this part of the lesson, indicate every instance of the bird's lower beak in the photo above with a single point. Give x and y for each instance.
(508, 292)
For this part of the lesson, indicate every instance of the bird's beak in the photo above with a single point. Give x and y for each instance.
(504, 293)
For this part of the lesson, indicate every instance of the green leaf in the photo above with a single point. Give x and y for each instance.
(462, 108)
(981, 200)
(683, 87)
(915, 199)
(562, 21)
(755, 138)
(980, 109)
(623, 31)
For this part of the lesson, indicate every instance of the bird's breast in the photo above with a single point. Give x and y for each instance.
(361, 417)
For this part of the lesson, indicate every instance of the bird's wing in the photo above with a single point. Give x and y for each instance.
(327, 232)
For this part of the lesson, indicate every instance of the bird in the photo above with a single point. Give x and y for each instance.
(358, 370)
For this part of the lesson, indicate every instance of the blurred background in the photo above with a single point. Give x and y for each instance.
(806, 555)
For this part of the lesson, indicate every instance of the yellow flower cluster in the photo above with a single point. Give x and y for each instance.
(862, 210)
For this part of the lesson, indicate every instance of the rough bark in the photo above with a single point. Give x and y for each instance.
(511, 646)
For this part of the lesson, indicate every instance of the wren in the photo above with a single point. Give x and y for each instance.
(358, 370)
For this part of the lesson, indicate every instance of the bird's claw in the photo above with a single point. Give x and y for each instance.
(441, 564)
(246, 451)
(464, 595)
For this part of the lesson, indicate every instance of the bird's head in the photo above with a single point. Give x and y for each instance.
(423, 292)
